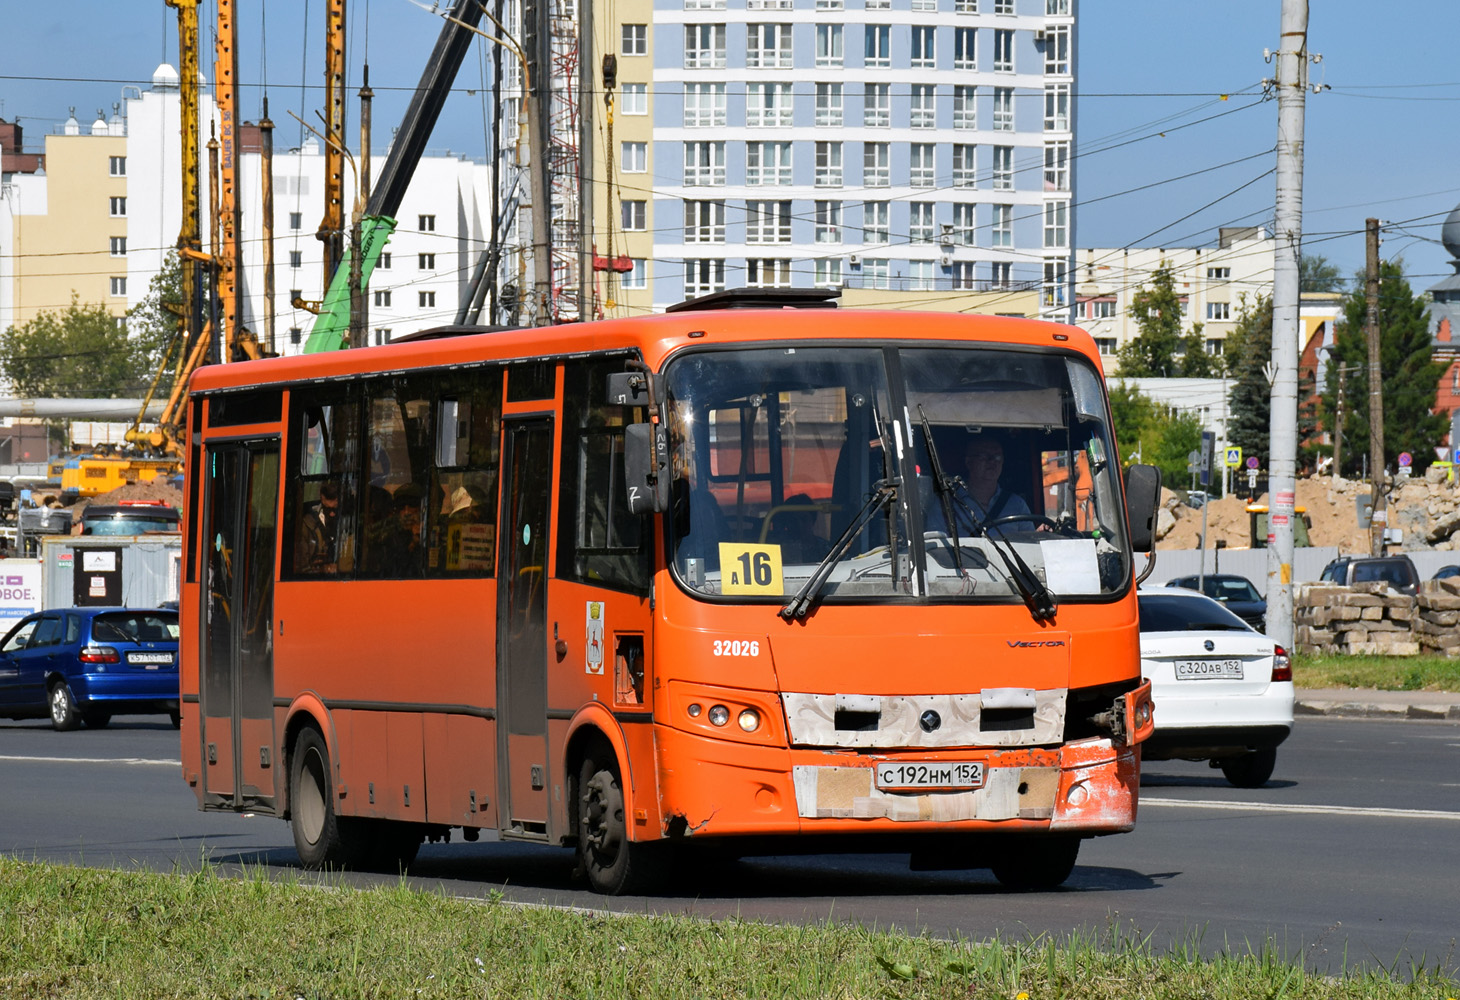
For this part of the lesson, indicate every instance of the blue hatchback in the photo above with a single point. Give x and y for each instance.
(88, 664)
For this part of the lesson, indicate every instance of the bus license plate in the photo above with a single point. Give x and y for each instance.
(1203, 670)
(930, 774)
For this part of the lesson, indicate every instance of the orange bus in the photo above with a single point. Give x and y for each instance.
(711, 577)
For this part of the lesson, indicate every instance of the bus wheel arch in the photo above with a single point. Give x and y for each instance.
(613, 863)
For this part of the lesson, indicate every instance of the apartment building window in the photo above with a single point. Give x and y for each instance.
(828, 271)
(876, 164)
(876, 222)
(634, 157)
(965, 6)
(119, 286)
(296, 221)
(874, 273)
(924, 4)
(1214, 345)
(923, 114)
(1057, 8)
(118, 207)
(117, 166)
(295, 335)
(1003, 6)
(921, 171)
(426, 300)
(1105, 345)
(924, 46)
(426, 262)
(634, 99)
(965, 106)
(1099, 309)
(638, 277)
(920, 275)
(295, 294)
(768, 105)
(634, 40)
(1219, 274)
(768, 222)
(704, 105)
(965, 48)
(828, 222)
(1003, 50)
(1056, 225)
(427, 223)
(1001, 274)
(704, 46)
(830, 5)
(878, 38)
(703, 276)
(382, 297)
(965, 165)
(1057, 50)
(768, 272)
(877, 105)
(1219, 311)
(828, 46)
(635, 215)
(296, 258)
(1003, 109)
(768, 46)
(963, 279)
(704, 222)
(1055, 286)
(920, 222)
(1056, 166)
(878, 5)
(1003, 177)
(384, 261)
(704, 164)
(704, 4)
(1001, 233)
(767, 4)
(382, 335)
(965, 227)
(828, 164)
(829, 105)
(119, 246)
(1057, 107)
(767, 163)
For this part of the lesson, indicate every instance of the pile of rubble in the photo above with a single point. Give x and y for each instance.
(1376, 619)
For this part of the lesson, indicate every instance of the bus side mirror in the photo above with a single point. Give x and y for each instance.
(1142, 499)
(646, 468)
(632, 389)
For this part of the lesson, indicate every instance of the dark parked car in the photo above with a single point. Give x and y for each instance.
(1236, 593)
(88, 664)
(130, 517)
(1397, 571)
(1445, 572)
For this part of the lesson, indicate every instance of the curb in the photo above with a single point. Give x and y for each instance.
(1369, 710)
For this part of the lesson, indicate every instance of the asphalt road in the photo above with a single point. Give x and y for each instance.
(1350, 853)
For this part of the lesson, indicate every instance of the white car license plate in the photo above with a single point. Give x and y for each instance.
(1205, 670)
(930, 774)
(149, 657)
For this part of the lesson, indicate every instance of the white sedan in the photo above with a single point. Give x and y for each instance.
(1222, 691)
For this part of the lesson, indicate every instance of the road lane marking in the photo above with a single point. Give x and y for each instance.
(97, 760)
(1298, 808)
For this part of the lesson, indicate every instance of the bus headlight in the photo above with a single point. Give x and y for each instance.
(719, 715)
(749, 720)
(694, 710)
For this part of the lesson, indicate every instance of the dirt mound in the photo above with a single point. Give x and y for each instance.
(156, 490)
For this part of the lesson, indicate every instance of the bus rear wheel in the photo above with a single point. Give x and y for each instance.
(320, 835)
(613, 863)
(1035, 862)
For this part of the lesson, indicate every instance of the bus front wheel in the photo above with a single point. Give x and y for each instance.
(1036, 862)
(613, 863)
(318, 834)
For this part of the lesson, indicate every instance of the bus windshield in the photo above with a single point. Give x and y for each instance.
(943, 473)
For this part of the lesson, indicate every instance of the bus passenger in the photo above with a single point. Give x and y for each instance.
(314, 551)
(793, 528)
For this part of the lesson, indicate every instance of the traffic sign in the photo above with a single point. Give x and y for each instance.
(1252, 462)
(1208, 446)
(1405, 459)
(1234, 457)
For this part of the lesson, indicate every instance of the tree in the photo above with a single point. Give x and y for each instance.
(152, 324)
(80, 351)
(1161, 349)
(1132, 412)
(1249, 350)
(1316, 274)
(1411, 375)
(1173, 437)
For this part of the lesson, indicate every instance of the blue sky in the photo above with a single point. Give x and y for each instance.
(1381, 142)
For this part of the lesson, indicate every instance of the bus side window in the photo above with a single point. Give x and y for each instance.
(321, 494)
(462, 503)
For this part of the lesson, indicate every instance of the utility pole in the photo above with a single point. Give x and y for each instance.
(1292, 85)
(1380, 518)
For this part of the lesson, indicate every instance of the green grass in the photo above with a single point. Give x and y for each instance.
(1386, 673)
(82, 933)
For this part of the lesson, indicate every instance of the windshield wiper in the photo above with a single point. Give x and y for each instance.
(1037, 597)
(885, 493)
(945, 485)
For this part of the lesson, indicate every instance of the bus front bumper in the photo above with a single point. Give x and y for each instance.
(724, 788)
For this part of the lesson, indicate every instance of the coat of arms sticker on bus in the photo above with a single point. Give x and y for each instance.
(593, 658)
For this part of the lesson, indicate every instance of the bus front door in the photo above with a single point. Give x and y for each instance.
(522, 628)
(237, 689)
